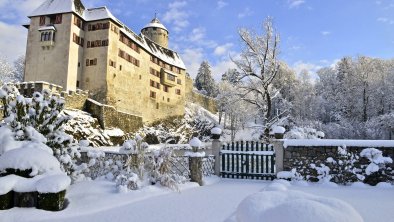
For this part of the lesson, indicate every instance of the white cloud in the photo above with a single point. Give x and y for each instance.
(299, 66)
(246, 12)
(177, 15)
(18, 10)
(385, 20)
(197, 34)
(13, 40)
(221, 4)
(222, 49)
(221, 67)
(192, 58)
(295, 3)
(325, 33)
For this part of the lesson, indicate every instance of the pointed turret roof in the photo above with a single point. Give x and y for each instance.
(155, 23)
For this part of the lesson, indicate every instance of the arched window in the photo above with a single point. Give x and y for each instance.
(46, 36)
(49, 36)
(42, 36)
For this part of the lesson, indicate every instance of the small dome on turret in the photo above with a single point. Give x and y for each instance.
(155, 23)
(156, 32)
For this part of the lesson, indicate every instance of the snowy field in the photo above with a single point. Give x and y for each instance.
(217, 201)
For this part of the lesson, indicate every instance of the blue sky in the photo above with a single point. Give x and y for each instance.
(314, 33)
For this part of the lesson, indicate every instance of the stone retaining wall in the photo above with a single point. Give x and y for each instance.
(109, 117)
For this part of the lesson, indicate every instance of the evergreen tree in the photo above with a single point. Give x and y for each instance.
(204, 80)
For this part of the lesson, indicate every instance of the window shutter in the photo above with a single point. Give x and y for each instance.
(58, 19)
(88, 44)
(87, 62)
(95, 61)
(42, 20)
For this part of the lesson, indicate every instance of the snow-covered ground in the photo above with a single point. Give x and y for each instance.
(100, 201)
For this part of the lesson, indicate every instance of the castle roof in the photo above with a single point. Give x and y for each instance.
(54, 7)
(75, 6)
(155, 23)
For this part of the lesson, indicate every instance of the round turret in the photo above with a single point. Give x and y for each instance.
(156, 32)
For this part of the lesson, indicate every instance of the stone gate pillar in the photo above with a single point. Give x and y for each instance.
(195, 164)
(216, 146)
(279, 152)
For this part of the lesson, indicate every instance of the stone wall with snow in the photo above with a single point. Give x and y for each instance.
(299, 154)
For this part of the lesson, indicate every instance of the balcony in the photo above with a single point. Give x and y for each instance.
(167, 78)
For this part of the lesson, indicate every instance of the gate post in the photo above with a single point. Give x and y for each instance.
(195, 165)
(216, 146)
(278, 147)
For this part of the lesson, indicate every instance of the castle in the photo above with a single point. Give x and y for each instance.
(91, 50)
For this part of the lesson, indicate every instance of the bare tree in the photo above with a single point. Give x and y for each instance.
(259, 65)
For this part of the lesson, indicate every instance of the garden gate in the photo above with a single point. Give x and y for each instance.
(247, 160)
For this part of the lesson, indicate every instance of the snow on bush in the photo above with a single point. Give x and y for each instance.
(377, 161)
(344, 167)
(84, 127)
(216, 130)
(161, 169)
(295, 206)
(31, 156)
(279, 129)
(292, 175)
(196, 121)
(38, 119)
(303, 133)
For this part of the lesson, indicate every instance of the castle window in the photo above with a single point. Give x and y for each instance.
(78, 22)
(58, 19)
(120, 67)
(78, 40)
(165, 88)
(77, 84)
(112, 63)
(88, 44)
(157, 105)
(91, 62)
(168, 99)
(179, 81)
(42, 20)
(171, 77)
(178, 91)
(152, 94)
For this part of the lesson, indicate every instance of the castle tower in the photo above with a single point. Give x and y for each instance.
(54, 53)
(156, 32)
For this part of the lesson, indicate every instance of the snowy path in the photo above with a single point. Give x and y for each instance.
(99, 201)
(190, 205)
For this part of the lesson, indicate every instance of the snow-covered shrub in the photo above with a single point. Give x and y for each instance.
(291, 175)
(137, 150)
(377, 164)
(161, 171)
(323, 172)
(303, 133)
(84, 127)
(344, 168)
(181, 129)
(127, 181)
(37, 119)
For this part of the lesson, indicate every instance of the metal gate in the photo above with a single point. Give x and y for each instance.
(247, 160)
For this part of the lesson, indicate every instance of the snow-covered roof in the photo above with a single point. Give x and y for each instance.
(99, 13)
(54, 7)
(155, 23)
(160, 52)
(50, 27)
